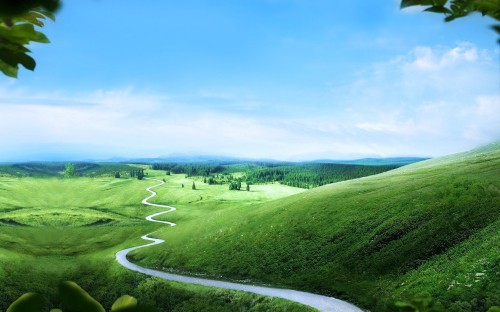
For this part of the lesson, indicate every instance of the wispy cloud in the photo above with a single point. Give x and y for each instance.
(431, 101)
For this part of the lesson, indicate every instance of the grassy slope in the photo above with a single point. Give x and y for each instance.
(429, 228)
(69, 229)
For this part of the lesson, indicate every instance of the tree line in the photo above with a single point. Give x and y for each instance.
(303, 175)
(190, 169)
(312, 175)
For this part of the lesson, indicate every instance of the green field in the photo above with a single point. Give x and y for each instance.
(427, 229)
(54, 229)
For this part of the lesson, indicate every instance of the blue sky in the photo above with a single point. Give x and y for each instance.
(284, 79)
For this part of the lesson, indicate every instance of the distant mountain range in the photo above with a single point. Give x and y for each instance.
(396, 161)
(178, 158)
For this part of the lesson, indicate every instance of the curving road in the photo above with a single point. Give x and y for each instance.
(322, 303)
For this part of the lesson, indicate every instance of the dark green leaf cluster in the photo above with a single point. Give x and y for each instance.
(74, 299)
(12, 8)
(17, 29)
(459, 8)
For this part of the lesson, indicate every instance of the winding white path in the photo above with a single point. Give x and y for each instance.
(319, 302)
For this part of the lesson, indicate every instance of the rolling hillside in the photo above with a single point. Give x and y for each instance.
(427, 229)
(57, 229)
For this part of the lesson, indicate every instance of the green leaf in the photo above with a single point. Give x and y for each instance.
(47, 14)
(7, 45)
(28, 32)
(438, 9)
(30, 302)
(494, 309)
(439, 2)
(455, 15)
(489, 7)
(27, 61)
(124, 302)
(8, 70)
(75, 299)
(16, 8)
(13, 58)
(34, 18)
(408, 3)
(496, 28)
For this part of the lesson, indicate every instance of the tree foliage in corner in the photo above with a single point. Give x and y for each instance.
(18, 19)
(459, 8)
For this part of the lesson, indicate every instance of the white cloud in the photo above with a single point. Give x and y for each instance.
(426, 58)
(432, 101)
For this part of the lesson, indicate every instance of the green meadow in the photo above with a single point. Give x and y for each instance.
(426, 230)
(54, 229)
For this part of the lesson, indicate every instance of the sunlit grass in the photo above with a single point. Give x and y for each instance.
(398, 235)
(70, 229)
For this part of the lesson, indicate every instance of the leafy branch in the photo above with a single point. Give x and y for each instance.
(454, 9)
(17, 30)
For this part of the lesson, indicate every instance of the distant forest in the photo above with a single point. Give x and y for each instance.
(56, 169)
(303, 175)
(313, 175)
(191, 169)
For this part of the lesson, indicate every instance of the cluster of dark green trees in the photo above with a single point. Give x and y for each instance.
(190, 169)
(210, 180)
(223, 178)
(235, 186)
(139, 174)
(303, 175)
(312, 175)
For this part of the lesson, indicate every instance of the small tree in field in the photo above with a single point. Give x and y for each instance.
(69, 170)
(193, 186)
(117, 175)
(140, 174)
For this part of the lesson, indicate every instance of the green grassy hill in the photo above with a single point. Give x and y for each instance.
(55, 229)
(427, 229)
